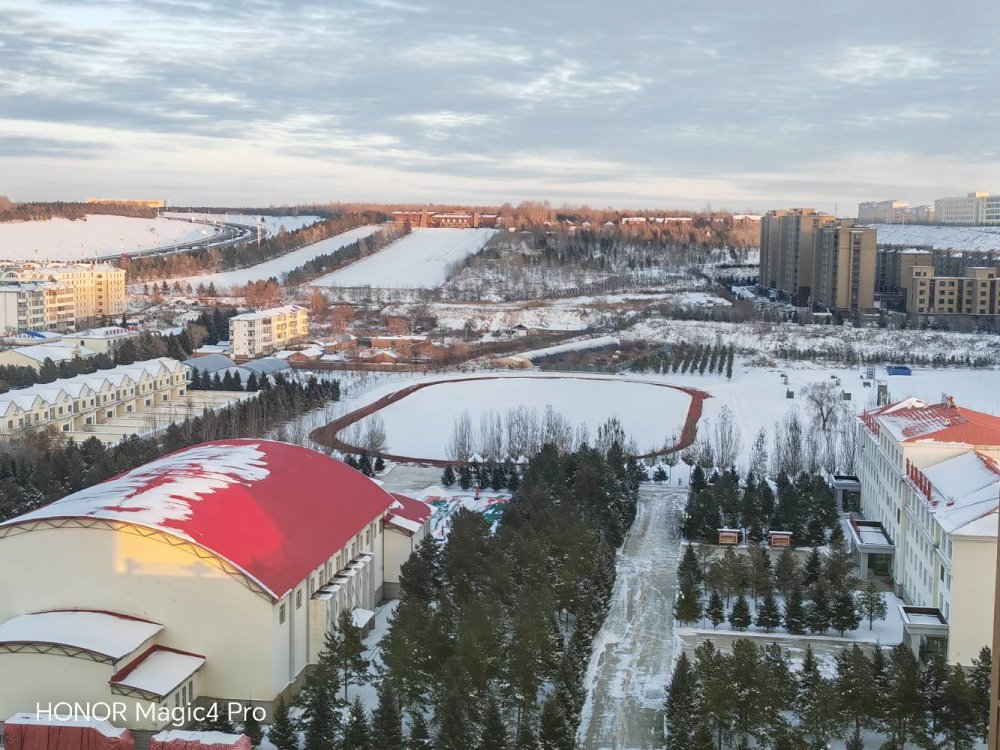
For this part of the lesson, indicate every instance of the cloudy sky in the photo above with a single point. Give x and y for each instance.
(663, 103)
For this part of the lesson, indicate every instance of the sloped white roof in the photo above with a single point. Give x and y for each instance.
(56, 352)
(160, 671)
(966, 490)
(102, 633)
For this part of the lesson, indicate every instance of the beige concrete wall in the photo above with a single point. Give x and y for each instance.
(973, 577)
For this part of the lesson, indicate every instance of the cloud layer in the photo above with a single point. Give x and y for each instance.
(647, 103)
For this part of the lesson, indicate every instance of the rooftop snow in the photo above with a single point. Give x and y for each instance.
(159, 671)
(912, 420)
(103, 633)
(971, 483)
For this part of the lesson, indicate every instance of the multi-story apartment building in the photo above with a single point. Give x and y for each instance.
(892, 266)
(263, 332)
(844, 267)
(786, 252)
(96, 291)
(22, 306)
(974, 293)
(970, 209)
(77, 403)
(930, 491)
(894, 212)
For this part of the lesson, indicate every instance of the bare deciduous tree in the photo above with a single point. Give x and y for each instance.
(461, 445)
(758, 454)
(823, 401)
(727, 440)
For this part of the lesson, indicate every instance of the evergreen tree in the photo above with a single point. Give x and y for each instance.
(872, 604)
(454, 732)
(282, 733)
(934, 676)
(979, 684)
(855, 689)
(903, 707)
(681, 717)
(348, 649)
(494, 734)
(844, 612)
(219, 722)
(761, 575)
(357, 735)
(816, 704)
(387, 722)
(554, 732)
(702, 516)
(419, 737)
(464, 477)
(715, 611)
(702, 739)
(318, 721)
(768, 613)
(526, 737)
(379, 464)
(739, 617)
(818, 613)
(689, 567)
(253, 730)
(687, 605)
(795, 614)
(448, 476)
(48, 372)
(787, 571)
(813, 568)
(959, 721)
(839, 568)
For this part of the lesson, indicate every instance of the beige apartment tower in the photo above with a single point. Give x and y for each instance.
(844, 267)
(786, 254)
(975, 293)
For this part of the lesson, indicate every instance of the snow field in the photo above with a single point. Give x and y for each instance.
(272, 224)
(276, 267)
(939, 237)
(421, 424)
(419, 260)
(67, 240)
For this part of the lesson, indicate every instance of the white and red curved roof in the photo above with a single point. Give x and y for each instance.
(275, 511)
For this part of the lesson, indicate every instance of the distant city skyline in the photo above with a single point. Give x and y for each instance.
(634, 105)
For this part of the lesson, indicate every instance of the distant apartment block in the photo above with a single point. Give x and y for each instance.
(263, 332)
(974, 293)
(447, 220)
(894, 212)
(974, 209)
(930, 483)
(844, 256)
(786, 252)
(78, 403)
(22, 306)
(78, 293)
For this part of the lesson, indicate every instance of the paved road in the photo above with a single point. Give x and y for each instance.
(634, 649)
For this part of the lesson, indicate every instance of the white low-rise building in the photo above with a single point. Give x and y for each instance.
(930, 492)
(210, 573)
(34, 356)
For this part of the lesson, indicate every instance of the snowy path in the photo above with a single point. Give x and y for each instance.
(633, 652)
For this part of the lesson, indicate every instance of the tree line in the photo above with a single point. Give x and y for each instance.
(685, 358)
(42, 211)
(41, 467)
(754, 697)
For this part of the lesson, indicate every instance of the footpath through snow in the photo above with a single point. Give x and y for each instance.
(634, 650)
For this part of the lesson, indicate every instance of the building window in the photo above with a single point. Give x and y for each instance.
(298, 598)
(281, 615)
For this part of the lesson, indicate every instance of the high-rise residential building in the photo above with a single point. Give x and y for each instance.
(930, 483)
(880, 212)
(22, 306)
(974, 293)
(786, 252)
(844, 267)
(255, 334)
(970, 209)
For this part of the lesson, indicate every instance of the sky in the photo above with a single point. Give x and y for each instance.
(660, 103)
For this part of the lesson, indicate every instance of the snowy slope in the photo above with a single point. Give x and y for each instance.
(942, 238)
(278, 266)
(63, 239)
(273, 224)
(419, 260)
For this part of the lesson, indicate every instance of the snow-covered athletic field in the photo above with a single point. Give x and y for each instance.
(422, 423)
(419, 260)
(278, 266)
(942, 238)
(63, 239)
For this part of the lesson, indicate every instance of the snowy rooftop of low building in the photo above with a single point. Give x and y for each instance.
(38, 720)
(965, 493)
(159, 671)
(912, 420)
(107, 332)
(104, 633)
(56, 352)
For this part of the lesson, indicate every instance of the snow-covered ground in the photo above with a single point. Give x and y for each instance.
(419, 260)
(273, 224)
(422, 423)
(281, 265)
(97, 235)
(942, 238)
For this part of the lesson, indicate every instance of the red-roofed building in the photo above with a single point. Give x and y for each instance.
(930, 482)
(220, 568)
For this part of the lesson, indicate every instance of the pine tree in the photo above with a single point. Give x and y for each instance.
(739, 617)
(855, 688)
(465, 477)
(448, 476)
(844, 612)
(761, 575)
(903, 709)
(526, 737)
(348, 650)
(252, 729)
(872, 604)
(818, 609)
(715, 611)
(554, 731)
(219, 722)
(379, 464)
(318, 721)
(934, 676)
(357, 735)
(795, 614)
(419, 737)
(687, 605)
(681, 710)
(787, 571)
(494, 734)
(387, 723)
(979, 684)
(959, 721)
(813, 568)
(282, 733)
(816, 704)
(768, 613)
(689, 567)
(454, 732)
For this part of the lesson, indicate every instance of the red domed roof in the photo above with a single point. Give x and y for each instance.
(275, 511)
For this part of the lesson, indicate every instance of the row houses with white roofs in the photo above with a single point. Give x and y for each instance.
(74, 404)
(926, 518)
